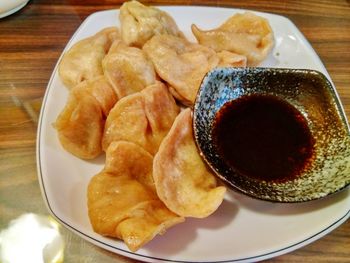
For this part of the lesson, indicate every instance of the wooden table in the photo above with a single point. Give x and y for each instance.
(31, 42)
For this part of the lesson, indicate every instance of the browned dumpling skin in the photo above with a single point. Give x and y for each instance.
(83, 60)
(181, 64)
(80, 124)
(127, 69)
(143, 118)
(183, 181)
(230, 59)
(139, 23)
(122, 201)
(245, 34)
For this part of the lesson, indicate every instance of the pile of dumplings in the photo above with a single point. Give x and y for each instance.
(131, 92)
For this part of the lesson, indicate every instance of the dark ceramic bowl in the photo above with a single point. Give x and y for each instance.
(313, 96)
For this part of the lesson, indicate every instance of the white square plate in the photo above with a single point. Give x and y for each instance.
(242, 229)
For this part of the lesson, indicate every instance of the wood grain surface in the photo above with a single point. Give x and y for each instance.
(32, 40)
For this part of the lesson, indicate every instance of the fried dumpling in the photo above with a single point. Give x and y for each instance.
(230, 59)
(83, 60)
(80, 124)
(181, 64)
(127, 69)
(122, 201)
(143, 118)
(245, 34)
(139, 23)
(183, 181)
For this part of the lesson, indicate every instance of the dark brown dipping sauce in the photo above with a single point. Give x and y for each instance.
(263, 137)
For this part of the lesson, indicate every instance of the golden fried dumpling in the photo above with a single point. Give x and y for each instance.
(83, 60)
(245, 34)
(143, 118)
(80, 124)
(230, 59)
(140, 23)
(122, 201)
(181, 64)
(127, 69)
(183, 181)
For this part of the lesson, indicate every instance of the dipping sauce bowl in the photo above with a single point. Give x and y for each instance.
(274, 134)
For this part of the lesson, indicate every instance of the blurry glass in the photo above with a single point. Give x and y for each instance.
(31, 238)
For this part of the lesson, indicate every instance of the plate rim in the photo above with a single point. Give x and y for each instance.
(13, 10)
(330, 227)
